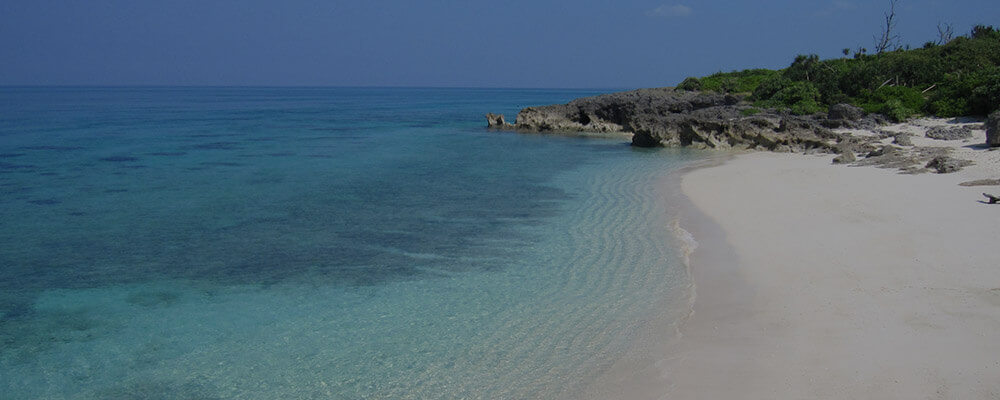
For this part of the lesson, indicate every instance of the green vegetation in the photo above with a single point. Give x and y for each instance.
(733, 82)
(961, 77)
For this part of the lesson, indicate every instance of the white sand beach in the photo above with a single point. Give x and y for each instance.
(820, 281)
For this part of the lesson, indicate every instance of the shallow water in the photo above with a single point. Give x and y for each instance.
(319, 243)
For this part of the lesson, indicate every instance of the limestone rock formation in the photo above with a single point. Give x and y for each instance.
(949, 132)
(845, 158)
(845, 112)
(666, 117)
(497, 121)
(993, 129)
(913, 160)
(902, 139)
(945, 164)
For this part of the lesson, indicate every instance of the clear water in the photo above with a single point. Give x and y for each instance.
(319, 243)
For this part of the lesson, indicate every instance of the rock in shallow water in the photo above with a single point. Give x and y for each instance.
(497, 121)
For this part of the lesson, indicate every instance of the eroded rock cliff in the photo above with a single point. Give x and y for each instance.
(665, 117)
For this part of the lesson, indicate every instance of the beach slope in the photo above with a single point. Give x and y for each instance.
(835, 282)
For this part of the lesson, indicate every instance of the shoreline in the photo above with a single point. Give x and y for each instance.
(888, 289)
(639, 373)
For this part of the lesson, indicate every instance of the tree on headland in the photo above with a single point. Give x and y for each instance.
(888, 38)
(984, 32)
(945, 33)
(959, 77)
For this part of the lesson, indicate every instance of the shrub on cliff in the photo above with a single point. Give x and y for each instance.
(800, 98)
(690, 84)
(745, 81)
(769, 87)
(804, 68)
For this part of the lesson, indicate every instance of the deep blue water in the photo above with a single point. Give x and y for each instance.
(315, 243)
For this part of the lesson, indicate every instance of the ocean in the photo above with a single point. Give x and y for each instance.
(329, 243)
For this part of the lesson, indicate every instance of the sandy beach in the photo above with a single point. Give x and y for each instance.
(820, 281)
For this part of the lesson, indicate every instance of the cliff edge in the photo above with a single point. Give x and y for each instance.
(667, 117)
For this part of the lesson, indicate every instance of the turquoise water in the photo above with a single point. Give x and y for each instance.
(320, 243)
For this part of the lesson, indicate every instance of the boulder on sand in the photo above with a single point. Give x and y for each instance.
(993, 129)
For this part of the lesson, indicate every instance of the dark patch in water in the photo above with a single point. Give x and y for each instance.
(77, 213)
(212, 135)
(216, 146)
(222, 164)
(262, 139)
(340, 138)
(345, 129)
(160, 390)
(10, 155)
(47, 174)
(34, 332)
(119, 159)
(53, 148)
(16, 305)
(153, 299)
(262, 180)
(5, 166)
(12, 189)
(140, 166)
(356, 225)
(315, 138)
(115, 190)
(44, 202)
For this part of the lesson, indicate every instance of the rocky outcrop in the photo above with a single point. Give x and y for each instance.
(913, 160)
(993, 129)
(845, 158)
(666, 117)
(902, 139)
(949, 132)
(845, 112)
(497, 121)
(946, 165)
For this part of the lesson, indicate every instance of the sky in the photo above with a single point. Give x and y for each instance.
(441, 43)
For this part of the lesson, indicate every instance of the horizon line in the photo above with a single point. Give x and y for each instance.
(127, 86)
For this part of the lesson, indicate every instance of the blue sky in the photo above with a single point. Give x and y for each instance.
(538, 43)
